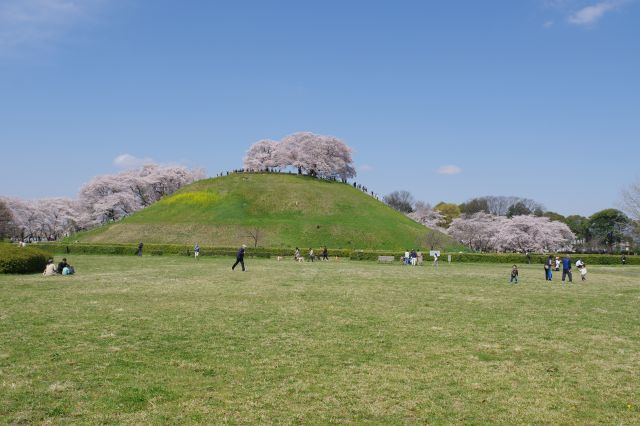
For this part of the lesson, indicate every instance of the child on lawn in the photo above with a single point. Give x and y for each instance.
(514, 274)
(583, 272)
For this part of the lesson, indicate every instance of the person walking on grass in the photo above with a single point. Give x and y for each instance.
(325, 253)
(312, 256)
(240, 258)
(139, 252)
(514, 274)
(566, 268)
(196, 251)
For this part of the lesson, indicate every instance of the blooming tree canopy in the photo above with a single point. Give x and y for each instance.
(316, 155)
(486, 232)
(102, 199)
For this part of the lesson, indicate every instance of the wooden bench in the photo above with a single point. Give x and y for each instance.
(386, 259)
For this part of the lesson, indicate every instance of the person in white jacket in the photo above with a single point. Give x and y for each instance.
(50, 269)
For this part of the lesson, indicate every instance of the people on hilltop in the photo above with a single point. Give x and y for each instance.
(196, 251)
(240, 258)
(325, 253)
(312, 256)
(139, 252)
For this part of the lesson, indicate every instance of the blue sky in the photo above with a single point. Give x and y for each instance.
(536, 98)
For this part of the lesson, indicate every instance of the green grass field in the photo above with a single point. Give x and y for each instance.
(288, 211)
(167, 340)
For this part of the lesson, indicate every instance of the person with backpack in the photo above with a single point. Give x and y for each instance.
(62, 265)
(240, 258)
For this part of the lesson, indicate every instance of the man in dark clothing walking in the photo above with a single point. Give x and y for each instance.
(239, 258)
(566, 268)
(139, 252)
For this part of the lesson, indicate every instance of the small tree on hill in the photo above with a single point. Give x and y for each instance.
(400, 200)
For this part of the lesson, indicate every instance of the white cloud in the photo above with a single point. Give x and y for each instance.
(449, 170)
(591, 14)
(27, 22)
(128, 161)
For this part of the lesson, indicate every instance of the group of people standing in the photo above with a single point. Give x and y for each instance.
(552, 264)
(412, 258)
(297, 255)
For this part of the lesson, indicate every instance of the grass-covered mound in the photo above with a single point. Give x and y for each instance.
(21, 260)
(285, 211)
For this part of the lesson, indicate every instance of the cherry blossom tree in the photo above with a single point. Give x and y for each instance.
(524, 233)
(427, 216)
(261, 155)
(477, 231)
(111, 197)
(48, 218)
(317, 155)
(102, 199)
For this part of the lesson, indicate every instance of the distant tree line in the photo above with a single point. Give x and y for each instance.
(499, 223)
(103, 199)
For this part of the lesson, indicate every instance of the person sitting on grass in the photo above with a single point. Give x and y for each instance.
(514, 274)
(50, 269)
(62, 265)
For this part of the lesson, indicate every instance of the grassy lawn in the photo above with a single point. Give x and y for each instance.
(167, 340)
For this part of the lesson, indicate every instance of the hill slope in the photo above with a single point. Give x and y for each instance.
(286, 210)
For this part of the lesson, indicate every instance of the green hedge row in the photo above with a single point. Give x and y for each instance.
(174, 249)
(21, 260)
(371, 255)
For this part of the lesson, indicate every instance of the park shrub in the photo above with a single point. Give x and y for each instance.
(366, 255)
(21, 260)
